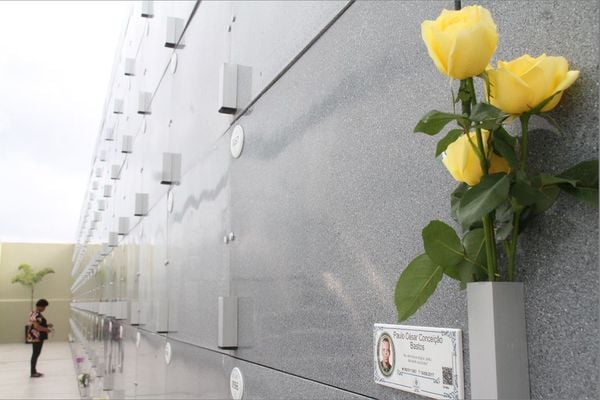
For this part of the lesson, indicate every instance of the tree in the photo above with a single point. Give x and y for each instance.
(28, 277)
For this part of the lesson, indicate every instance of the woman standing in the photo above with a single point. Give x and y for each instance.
(38, 333)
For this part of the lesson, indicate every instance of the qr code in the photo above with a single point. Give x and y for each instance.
(447, 375)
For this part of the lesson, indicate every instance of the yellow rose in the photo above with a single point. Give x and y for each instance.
(462, 161)
(519, 85)
(461, 43)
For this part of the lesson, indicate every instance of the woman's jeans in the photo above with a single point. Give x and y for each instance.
(37, 349)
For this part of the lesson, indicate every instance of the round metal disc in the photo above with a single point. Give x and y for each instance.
(236, 384)
(237, 141)
(168, 353)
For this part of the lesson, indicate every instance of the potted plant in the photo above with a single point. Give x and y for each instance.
(496, 197)
(29, 278)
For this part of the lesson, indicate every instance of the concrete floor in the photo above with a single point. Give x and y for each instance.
(59, 380)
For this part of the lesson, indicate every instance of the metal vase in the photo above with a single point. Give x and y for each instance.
(497, 340)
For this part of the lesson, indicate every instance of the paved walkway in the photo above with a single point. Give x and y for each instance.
(59, 380)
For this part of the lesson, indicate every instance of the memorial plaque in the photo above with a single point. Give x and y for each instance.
(422, 360)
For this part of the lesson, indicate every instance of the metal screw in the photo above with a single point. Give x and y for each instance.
(231, 236)
(166, 262)
(225, 239)
(233, 18)
(229, 28)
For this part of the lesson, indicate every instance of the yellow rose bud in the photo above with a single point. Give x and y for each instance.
(461, 159)
(519, 85)
(461, 43)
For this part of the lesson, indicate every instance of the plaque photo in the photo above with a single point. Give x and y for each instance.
(422, 360)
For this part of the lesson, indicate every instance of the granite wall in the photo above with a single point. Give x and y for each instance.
(326, 203)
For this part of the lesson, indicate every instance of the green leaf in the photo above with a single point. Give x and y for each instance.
(443, 144)
(505, 136)
(505, 149)
(483, 198)
(474, 244)
(455, 199)
(434, 121)
(524, 193)
(504, 221)
(589, 195)
(484, 111)
(549, 194)
(548, 180)
(487, 116)
(416, 284)
(472, 268)
(586, 175)
(442, 244)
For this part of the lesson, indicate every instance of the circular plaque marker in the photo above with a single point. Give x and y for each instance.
(168, 353)
(237, 141)
(236, 384)
(138, 337)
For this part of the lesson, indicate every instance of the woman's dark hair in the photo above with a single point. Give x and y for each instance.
(42, 303)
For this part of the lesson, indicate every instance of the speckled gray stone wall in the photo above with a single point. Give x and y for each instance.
(559, 251)
(328, 200)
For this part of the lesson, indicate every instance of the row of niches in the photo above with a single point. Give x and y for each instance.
(113, 209)
(115, 155)
(126, 124)
(124, 362)
(131, 284)
(89, 337)
(150, 23)
(210, 62)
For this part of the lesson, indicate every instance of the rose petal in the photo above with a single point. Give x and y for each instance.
(570, 77)
(522, 65)
(568, 81)
(438, 45)
(509, 92)
(471, 52)
(537, 79)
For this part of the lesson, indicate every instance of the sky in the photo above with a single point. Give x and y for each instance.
(56, 61)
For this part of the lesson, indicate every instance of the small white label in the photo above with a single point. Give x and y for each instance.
(121, 332)
(422, 360)
(168, 353)
(236, 384)
(237, 141)
(138, 337)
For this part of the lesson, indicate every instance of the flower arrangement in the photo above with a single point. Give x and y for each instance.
(496, 196)
(83, 380)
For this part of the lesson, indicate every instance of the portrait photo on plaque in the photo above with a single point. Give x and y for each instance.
(385, 351)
